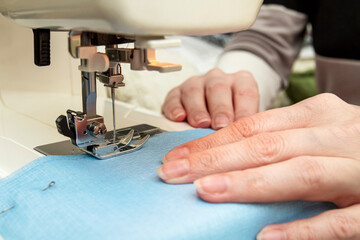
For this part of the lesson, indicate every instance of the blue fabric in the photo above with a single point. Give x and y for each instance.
(122, 198)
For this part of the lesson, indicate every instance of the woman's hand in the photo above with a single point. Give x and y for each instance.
(309, 151)
(213, 100)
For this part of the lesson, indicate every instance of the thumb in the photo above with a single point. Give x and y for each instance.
(334, 224)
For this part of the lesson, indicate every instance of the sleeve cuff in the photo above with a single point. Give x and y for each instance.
(268, 81)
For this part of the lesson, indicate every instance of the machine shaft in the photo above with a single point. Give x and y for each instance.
(88, 81)
(89, 93)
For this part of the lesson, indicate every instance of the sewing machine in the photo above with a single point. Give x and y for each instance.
(99, 33)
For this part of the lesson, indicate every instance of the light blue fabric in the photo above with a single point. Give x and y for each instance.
(122, 198)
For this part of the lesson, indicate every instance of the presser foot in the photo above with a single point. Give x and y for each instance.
(109, 150)
(125, 140)
(89, 135)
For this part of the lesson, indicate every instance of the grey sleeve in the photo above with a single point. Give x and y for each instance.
(276, 36)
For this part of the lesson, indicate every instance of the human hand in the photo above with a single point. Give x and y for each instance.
(309, 151)
(213, 100)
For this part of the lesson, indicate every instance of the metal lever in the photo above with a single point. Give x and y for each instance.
(153, 64)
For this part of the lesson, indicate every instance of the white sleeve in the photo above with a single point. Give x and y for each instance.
(268, 81)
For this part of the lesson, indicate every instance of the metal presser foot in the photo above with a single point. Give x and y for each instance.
(138, 133)
(109, 150)
(89, 135)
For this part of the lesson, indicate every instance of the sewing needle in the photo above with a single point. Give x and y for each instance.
(113, 110)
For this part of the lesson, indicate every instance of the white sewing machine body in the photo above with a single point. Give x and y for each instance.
(31, 98)
(135, 17)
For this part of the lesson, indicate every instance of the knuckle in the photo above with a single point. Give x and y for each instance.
(199, 144)
(256, 183)
(343, 227)
(244, 74)
(304, 231)
(265, 147)
(332, 101)
(174, 91)
(207, 161)
(324, 102)
(245, 127)
(311, 172)
(214, 72)
(192, 90)
(329, 97)
(251, 92)
(191, 80)
(216, 86)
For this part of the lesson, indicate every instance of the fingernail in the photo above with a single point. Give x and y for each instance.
(216, 184)
(221, 120)
(177, 113)
(271, 235)
(173, 170)
(202, 120)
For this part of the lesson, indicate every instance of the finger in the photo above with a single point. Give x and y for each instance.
(302, 178)
(193, 99)
(262, 149)
(172, 107)
(334, 224)
(245, 95)
(219, 98)
(311, 112)
(259, 150)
